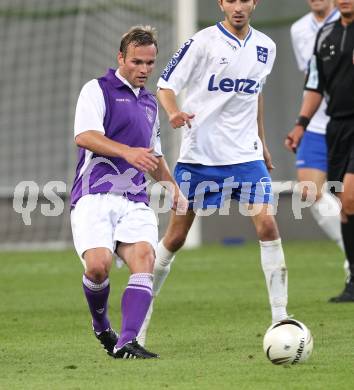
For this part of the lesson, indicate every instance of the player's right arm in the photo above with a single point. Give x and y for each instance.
(90, 132)
(184, 66)
(176, 117)
(141, 158)
(310, 104)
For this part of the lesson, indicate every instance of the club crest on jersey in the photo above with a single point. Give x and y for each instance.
(262, 54)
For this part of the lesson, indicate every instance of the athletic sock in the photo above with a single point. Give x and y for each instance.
(97, 298)
(329, 224)
(348, 239)
(136, 300)
(163, 261)
(276, 276)
(162, 268)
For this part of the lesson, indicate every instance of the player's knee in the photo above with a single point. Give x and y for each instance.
(97, 272)
(97, 266)
(267, 230)
(309, 194)
(304, 194)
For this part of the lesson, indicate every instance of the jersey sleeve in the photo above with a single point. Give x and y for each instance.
(90, 109)
(302, 63)
(314, 80)
(155, 138)
(181, 66)
(272, 56)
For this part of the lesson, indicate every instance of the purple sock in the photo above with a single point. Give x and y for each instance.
(97, 298)
(136, 300)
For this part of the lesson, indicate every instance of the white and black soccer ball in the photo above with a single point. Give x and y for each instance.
(288, 342)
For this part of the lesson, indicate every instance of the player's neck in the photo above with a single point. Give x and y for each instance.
(239, 33)
(321, 16)
(347, 20)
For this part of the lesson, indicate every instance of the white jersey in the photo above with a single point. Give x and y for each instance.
(224, 77)
(303, 36)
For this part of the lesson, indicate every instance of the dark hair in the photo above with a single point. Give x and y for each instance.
(138, 36)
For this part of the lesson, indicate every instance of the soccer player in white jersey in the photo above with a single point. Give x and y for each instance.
(223, 68)
(311, 155)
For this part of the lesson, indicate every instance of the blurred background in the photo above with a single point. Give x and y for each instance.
(49, 49)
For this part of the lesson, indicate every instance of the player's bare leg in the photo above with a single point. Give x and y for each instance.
(175, 236)
(331, 225)
(272, 259)
(98, 262)
(347, 199)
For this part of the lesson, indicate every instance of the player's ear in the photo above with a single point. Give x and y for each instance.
(120, 58)
(255, 4)
(220, 5)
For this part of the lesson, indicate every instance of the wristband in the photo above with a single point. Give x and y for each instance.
(302, 121)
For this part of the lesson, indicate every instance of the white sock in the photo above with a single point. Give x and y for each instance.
(141, 337)
(162, 267)
(329, 224)
(276, 276)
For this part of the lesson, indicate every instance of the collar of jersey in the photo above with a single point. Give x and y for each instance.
(136, 91)
(232, 36)
(330, 18)
(117, 82)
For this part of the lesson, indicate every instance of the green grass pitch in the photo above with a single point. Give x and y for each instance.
(207, 326)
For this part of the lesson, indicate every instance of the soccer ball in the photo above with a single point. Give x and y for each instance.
(288, 342)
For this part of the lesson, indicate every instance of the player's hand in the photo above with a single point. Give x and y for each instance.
(180, 203)
(141, 158)
(267, 158)
(293, 139)
(179, 119)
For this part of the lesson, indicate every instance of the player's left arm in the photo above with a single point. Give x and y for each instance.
(163, 176)
(261, 133)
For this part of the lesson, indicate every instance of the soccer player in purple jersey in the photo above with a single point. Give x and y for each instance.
(117, 132)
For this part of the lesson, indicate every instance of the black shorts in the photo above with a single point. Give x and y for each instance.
(340, 143)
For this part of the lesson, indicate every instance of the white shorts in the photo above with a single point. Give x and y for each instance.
(103, 220)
